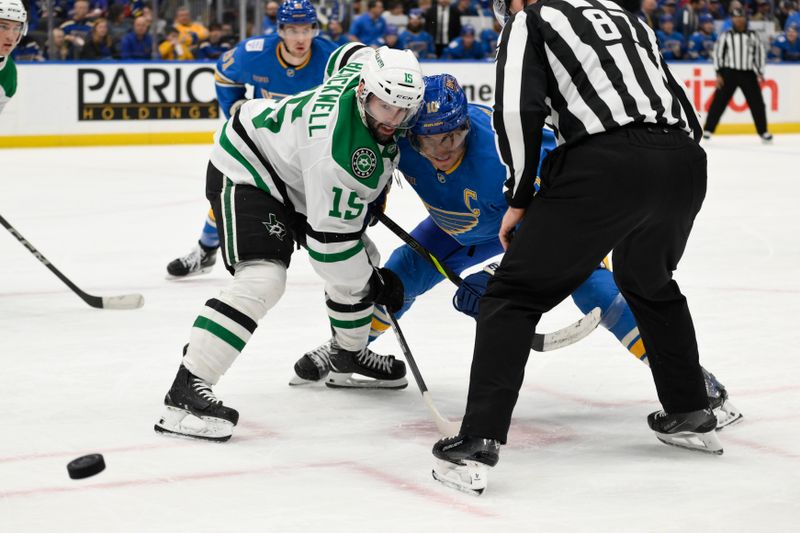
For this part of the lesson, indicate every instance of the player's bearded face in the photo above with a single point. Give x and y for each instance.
(297, 38)
(384, 119)
(443, 149)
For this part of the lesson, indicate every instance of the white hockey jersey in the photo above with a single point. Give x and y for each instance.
(312, 151)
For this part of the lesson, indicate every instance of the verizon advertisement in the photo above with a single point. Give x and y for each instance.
(158, 101)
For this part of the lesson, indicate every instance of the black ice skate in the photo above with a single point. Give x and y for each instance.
(313, 366)
(695, 430)
(192, 397)
(199, 261)
(463, 463)
(727, 414)
(382, 371)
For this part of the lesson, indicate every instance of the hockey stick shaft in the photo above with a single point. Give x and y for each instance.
(446, 427)
(542, 342)
(128, 301)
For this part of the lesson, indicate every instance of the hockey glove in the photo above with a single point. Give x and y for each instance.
(378, 205)
(386, 288)
(468, 296)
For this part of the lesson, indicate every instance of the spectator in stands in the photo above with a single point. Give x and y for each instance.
(687, 21)
(465, 46)
(395, 14)
(335, 33)
(173, 48)
(64, 50)
(648, 12)
(415, 38)
(190, 33)
(701, 43)
(214, 47)
(793, 18)
(77, 29)
(270, 24)
(391, 37)
(668, 7)
(99, 44)
(670, 42)
(785, 10)
(763, 13)
(466, 9)
(489, 38)
(786, 46)
(27, 50)
(119, 23)
(228, 37)
(138, 44)
(443, 22)
(369, 27)
(717, 10)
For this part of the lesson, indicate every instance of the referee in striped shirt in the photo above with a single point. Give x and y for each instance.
(739, 57)
(628, 175)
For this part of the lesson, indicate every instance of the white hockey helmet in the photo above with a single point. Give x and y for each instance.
(395, 78)
(14, 10)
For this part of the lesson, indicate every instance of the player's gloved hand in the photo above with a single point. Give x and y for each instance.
(468, 296)
(386, 288)
(378, 205)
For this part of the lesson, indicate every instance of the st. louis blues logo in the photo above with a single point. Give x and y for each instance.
(274, 227)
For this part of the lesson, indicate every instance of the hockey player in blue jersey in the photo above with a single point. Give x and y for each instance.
(288, 62)
(415, 38)
(449, 159)
(465, 46)
(786, 46)
(672, 44)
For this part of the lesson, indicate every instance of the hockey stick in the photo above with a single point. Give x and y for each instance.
(542, 342)
(446, 427)
(126, 301)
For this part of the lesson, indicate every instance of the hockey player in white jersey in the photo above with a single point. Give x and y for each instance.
(13, 27)
(303, 170)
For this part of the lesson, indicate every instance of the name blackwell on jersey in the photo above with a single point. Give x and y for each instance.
(117, 93)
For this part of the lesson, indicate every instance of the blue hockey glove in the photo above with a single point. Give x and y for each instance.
(468, 296)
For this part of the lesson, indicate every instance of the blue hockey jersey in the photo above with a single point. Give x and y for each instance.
(467, 201)
(701, 45)
(257, 61)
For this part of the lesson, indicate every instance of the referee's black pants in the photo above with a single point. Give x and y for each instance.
(635, 190)
(748, 81)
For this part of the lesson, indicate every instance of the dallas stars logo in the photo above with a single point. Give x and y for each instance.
(364, 162)
(274, 227)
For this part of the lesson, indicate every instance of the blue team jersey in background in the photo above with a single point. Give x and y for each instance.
(256, 62)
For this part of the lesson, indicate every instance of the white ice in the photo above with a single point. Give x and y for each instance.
(77, 380)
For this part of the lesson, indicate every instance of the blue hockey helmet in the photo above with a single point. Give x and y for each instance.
(297, 12)
(444, 107)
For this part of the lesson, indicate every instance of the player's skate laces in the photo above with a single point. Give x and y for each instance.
(384, 371)
(727, 414)
(695, 430)
(463, 462)
(199, 261)
(313, 366)
(192, 410)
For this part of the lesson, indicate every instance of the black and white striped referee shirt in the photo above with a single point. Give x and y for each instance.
(740, 50)
(589, 66)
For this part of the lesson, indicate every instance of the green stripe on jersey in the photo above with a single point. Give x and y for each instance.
(219, 331)
(339, 256)
(8, 77)
(228, 146)
(351, 324)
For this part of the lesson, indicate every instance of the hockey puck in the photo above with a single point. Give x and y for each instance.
(86, 466)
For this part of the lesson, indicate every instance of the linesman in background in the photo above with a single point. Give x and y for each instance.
(739, 57)
(593, 71)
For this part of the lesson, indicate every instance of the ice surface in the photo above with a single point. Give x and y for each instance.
(77, 380)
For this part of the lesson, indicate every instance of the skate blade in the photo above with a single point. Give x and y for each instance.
(297, 381)
(470, 478)
(727, 415)
(182, 423)
(204, 270)
(348, 381)
(700, 442)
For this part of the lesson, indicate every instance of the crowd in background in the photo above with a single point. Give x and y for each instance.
(432, 29)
